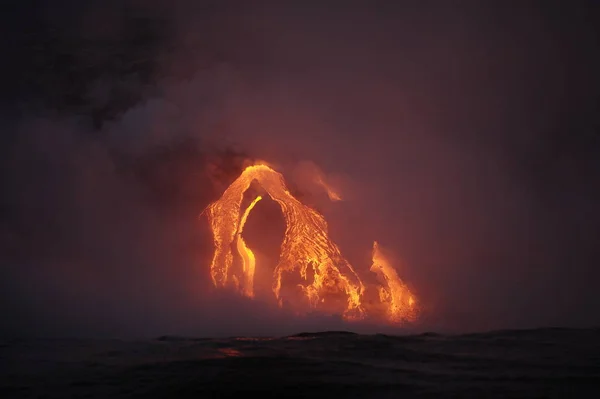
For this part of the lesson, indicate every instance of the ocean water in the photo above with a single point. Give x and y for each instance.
(543, 363)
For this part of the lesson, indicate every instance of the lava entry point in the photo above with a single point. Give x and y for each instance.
(324, 279)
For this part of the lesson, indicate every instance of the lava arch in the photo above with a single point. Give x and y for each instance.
(306, 246)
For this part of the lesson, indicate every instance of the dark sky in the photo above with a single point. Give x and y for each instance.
(465, 137)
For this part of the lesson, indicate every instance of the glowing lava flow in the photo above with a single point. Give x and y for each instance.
(393, 292)
(248, 259)
(306, 247)
(331, 193)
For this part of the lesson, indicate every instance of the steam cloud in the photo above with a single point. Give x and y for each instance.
(472, 159)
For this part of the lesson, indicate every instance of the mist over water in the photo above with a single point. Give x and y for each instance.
(463, 139)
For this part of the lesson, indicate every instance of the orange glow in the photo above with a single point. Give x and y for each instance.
(393, 292)
(331, 193)
(230, 352)
(248, 259)
(306, 248)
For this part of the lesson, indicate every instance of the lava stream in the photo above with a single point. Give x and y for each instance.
(306, 244)
(248, 258)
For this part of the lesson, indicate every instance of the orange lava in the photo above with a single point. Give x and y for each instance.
(306, 248)
(331, 193)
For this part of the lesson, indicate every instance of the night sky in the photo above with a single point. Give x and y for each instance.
(464, 136)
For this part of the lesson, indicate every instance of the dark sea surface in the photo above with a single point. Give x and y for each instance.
(544, 363)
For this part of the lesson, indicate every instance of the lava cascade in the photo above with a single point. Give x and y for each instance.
(306, 248)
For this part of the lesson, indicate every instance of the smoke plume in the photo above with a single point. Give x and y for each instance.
(463, 138)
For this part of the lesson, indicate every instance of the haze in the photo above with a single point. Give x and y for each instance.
(463, 137)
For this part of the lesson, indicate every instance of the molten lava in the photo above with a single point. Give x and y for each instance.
(306, 248)
(392, 291)
(331, 193)
(248, 259)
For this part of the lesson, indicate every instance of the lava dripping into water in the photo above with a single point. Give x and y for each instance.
(306, 247)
